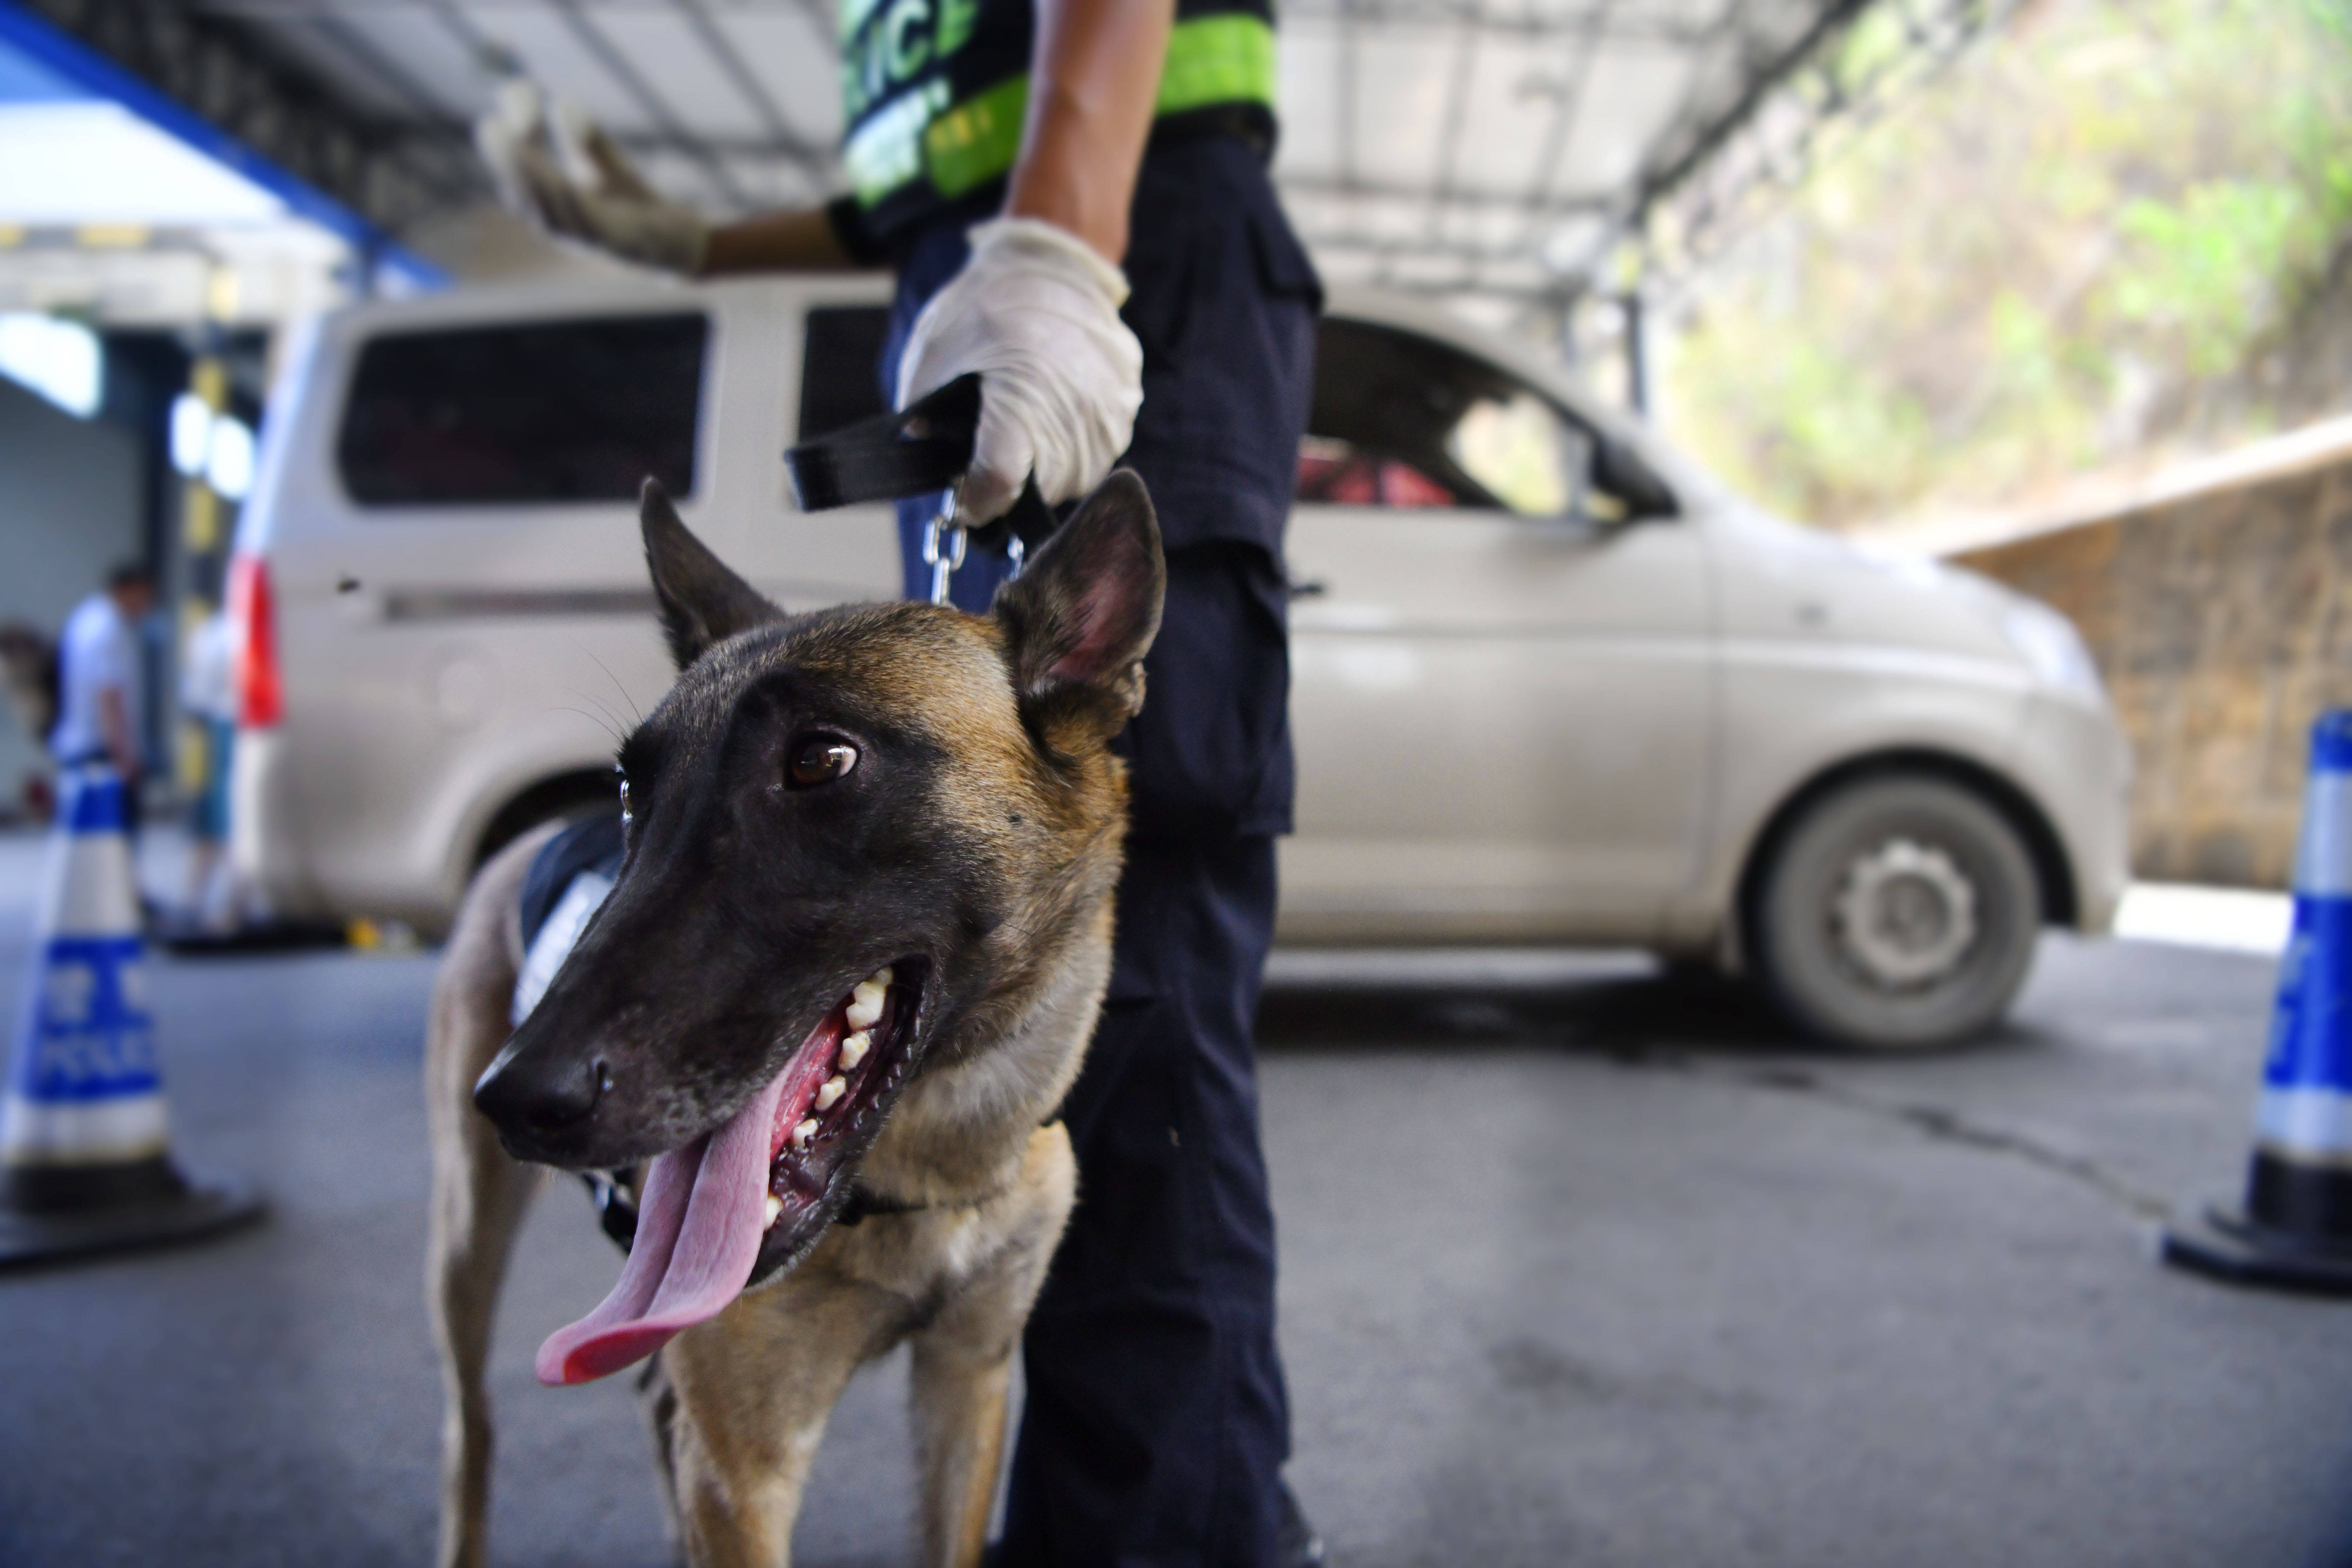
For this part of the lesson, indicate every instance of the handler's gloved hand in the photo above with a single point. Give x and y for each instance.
(556, 167)
(1036, 312)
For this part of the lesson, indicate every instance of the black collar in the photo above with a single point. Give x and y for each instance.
(616, 1207)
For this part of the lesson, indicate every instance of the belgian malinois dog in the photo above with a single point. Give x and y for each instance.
(856, 946)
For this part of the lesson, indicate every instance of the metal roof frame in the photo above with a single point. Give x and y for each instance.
(285, 134)
(1538, 152)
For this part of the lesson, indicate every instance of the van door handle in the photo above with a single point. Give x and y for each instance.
(1315, 588)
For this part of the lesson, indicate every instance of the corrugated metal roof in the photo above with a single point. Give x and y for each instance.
(1458, 146)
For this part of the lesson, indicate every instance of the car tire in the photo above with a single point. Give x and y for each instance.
(1897, 913)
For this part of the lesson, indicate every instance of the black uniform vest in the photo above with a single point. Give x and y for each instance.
(933, 93)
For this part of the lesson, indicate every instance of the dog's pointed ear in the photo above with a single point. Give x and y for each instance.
(1080, 617)
(701, 601)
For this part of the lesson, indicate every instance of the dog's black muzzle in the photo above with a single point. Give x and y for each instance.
(543, 1103)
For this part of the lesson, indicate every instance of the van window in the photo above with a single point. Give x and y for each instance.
(841, 367)
(1401, 420)
(555, 410)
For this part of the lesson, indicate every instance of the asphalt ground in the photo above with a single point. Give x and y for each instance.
(1583, 1264)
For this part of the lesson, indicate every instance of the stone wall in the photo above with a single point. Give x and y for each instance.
(2220, 612)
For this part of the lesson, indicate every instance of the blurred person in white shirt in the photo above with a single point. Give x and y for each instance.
(101, 678)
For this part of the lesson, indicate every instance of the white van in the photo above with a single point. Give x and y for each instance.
(1551, 682)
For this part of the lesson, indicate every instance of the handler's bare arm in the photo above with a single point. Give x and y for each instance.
(1093, 85)
(1094, 82)
(800, 240)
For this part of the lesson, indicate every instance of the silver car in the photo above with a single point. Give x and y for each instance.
(1551, 683)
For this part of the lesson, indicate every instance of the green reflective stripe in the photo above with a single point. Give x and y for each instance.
(1217, 60)
(957, 19)
(1212, 60)
(977, 140)
(884, 153)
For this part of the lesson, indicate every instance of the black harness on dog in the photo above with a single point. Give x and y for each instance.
(616, 1207)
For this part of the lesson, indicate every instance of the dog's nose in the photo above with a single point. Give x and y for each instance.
(529, 1094)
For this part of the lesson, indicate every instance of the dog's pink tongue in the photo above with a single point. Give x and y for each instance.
(699, 1227)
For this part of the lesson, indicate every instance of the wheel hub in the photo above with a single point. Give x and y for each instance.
(1904, 915)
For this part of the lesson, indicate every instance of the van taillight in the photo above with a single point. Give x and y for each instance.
(260, 697)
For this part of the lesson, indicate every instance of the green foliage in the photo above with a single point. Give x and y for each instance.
(2050, 258)
(2206, 270)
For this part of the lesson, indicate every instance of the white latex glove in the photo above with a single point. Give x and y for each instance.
(1036, 312)
(556, 167)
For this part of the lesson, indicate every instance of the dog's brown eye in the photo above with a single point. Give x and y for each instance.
(820, 760)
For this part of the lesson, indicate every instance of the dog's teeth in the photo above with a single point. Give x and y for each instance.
(832, 1091)
(883, 977)
(775, 1207)
(853, 1050)
(865, 1005)
(804, 1132)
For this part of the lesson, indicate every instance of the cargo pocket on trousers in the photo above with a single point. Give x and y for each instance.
(1216, 694)
(1282, 266)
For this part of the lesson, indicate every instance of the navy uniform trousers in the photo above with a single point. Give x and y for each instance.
(1156, 1422)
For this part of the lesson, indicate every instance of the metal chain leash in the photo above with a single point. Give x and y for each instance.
(944, 546)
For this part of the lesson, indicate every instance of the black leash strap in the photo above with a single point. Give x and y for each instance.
(922, 449)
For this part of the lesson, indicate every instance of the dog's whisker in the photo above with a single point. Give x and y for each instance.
(602, 721)
(624, 690)
(612, 720)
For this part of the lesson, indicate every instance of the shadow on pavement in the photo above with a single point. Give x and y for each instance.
(1629, 1009)
(1602, 1014)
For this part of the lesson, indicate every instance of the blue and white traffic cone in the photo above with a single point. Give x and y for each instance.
(2294, 1228)
(84, 1142)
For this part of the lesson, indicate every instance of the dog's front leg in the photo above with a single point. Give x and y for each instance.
(959, 1418)
(479, 1196)
(755, 1386)
(963, 1359)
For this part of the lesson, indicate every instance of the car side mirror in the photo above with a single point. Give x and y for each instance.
(1625, 473)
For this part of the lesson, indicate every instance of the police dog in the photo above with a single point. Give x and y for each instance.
(857, 945)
